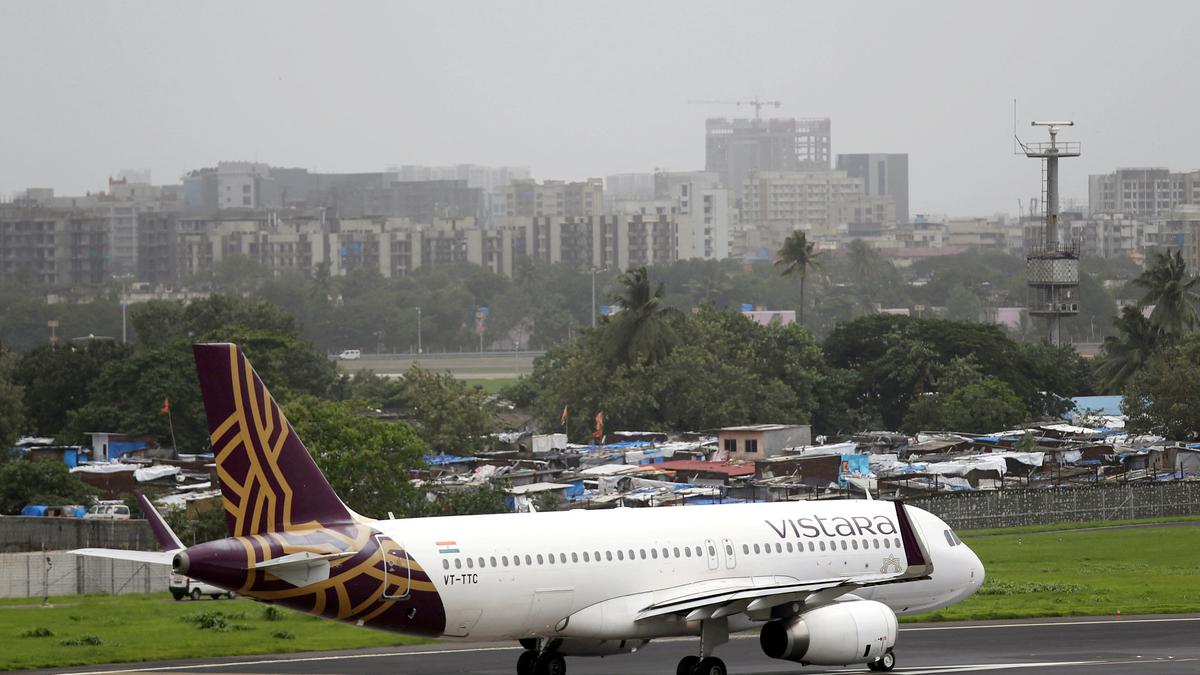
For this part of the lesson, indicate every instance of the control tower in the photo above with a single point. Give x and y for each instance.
(1052, 265)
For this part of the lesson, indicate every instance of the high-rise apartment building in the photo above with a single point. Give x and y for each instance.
(58, 248)
(737, 148)
(1142, 192)
(529, 198)
(812, 198)
(883, 175)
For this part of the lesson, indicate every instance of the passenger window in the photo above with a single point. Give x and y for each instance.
(756, 549)
(676, 551)
(843, 544)
(469, 565)
(620, 555)
(539, 558)
(445, 563)
(575, 557)
(822, 546)
(608, 555)
(789, 547)
(504, 560)
(745, 549)
(492, 560)
(875, 543)
(481, 561)
(854, 544)
(643, 552)
(654, 553)
(562, 558)
(665, 553)
(811, 547)
(728, 549)
(897, 542)
(597, 556)
(711, 550)
(778, 547)
(529, 559)
(887, 543)
(457, 563)
(687, 551)
(632, 556)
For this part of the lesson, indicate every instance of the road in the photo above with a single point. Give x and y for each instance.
(1155, 645)
(466, 366)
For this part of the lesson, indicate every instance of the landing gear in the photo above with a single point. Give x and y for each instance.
(694, 665)
(525, 662)
(531, 662)
(884, 663)
(550, 663)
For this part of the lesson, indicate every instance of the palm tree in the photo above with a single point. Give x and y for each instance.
(642, 330)
(797, 256)
(1124, 355)
(1172, 291)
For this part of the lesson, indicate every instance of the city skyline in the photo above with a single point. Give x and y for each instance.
(569, 93)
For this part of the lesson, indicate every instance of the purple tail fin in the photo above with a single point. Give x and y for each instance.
(269, 482)
(167, 540)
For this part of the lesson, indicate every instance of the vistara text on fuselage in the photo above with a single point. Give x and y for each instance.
(822, 581)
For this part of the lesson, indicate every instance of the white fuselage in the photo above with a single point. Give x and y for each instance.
(512, 576)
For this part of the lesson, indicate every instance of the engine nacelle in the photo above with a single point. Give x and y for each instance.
(856, 631)
(584, 647)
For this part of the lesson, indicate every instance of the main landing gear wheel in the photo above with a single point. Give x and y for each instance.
(551, 664)
(525, 662)
(710, 665)
(884, 663)
(687, 665)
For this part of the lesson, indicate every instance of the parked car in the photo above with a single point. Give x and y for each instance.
(186, 587)
(108, 510)
(350, 355)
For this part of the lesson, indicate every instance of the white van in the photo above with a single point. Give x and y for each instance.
(108, 510)
(183, 587)
(350, 355)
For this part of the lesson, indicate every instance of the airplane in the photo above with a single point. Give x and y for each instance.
(821, 581)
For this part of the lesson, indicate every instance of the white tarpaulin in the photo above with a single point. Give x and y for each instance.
(110, 467)
(991, 462)
(154, 472)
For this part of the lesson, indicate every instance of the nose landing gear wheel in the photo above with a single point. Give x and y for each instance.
(525, 662)
(687, 665)
(710, 665)
(884, 663)
(550, 664)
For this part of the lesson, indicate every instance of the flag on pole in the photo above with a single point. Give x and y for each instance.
(599, 424)
(563, 421)
(166, 409)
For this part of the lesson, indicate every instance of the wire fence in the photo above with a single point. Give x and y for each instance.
(51, 573)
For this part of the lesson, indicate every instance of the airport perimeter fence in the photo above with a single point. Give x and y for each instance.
(1016, 508)
(38, 575)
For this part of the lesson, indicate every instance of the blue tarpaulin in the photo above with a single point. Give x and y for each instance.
(439, 460)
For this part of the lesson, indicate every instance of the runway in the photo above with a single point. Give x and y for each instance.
(1156, 645)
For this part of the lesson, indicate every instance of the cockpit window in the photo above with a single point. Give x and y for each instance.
(952, 538)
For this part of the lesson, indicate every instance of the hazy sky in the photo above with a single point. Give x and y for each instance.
(578, 89)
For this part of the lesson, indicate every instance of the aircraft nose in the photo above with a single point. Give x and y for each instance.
(977, 573)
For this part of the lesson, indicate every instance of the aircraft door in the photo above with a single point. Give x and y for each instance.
(730, 554)
(397, 576)
(710, 548)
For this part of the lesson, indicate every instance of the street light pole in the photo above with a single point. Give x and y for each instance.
(419, 330)
(593, 297)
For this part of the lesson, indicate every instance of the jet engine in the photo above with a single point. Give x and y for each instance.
(856, 631)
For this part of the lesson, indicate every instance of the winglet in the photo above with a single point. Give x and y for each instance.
(167, 540)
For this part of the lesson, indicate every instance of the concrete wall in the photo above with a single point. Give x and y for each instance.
(1013, 508)
(20, 534)
(27, 575)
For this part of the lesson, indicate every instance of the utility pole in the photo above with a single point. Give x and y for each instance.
(419, 351)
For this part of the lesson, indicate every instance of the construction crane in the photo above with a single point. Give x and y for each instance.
(756, 102)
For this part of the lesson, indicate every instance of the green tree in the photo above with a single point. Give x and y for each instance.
(1173, 293)
(963, 305)
(56, 379)
(449, 416)
(40, 482)
(796, 257)
(12, 405)
(643, 330)
(205, 524)
(1161, 398)
(366, 461)
(987, 405)
(1127, 352)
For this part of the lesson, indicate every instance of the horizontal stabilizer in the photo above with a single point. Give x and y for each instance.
(303, 568)
(152, 557)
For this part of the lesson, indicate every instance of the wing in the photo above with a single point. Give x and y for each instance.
(152, 557)
(706, 600)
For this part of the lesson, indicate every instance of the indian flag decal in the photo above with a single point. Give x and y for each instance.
(447, 546)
